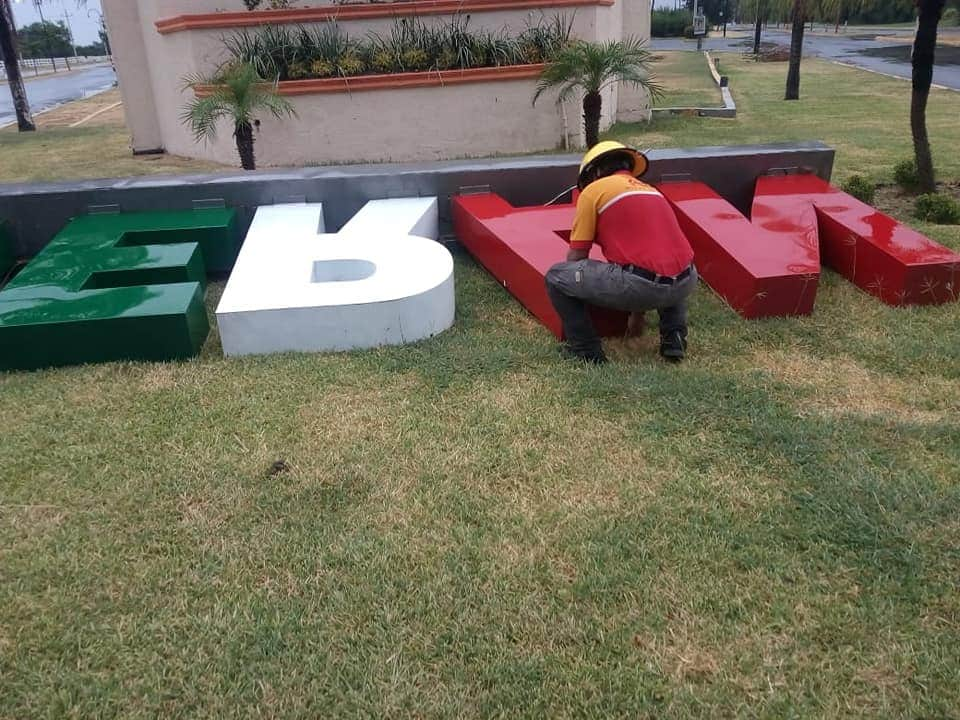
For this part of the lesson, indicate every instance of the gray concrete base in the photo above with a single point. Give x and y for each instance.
(37, 212)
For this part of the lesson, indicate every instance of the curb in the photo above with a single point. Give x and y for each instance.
(888, 75)
(729, 109)
(60, 105)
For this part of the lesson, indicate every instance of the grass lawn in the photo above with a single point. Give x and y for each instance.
(97, 149)
(472, 528)
(686, 80)
(865, 116)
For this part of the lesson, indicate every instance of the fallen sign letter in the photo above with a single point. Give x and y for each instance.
(116, 287)
(382, 280)
(518, 246)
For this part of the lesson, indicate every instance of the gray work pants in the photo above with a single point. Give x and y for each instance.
(574, 285)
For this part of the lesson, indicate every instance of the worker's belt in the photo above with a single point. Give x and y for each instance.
(654, 277)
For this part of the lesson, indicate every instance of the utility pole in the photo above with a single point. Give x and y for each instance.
(43, 24)
(696, 25)
(73, 42)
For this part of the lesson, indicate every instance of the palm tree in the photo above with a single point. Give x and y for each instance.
(11, 62)
(235, 93)
(593, 67)
(924, 46)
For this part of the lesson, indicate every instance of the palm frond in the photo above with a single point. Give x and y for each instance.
(591, 67)
(237, 91)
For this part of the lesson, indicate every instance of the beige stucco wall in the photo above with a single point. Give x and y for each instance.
(633, 103)
(413, 124)
(133, 74)
(417, 124)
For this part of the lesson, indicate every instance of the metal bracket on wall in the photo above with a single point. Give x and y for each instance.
(289, 199)
(109, 209)
(675, 177)
(209, 204)
(792, 170)
(474, 190)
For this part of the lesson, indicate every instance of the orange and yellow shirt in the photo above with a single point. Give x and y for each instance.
(632, 223)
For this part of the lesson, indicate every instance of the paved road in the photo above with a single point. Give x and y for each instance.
(845, 49)
(47, 92)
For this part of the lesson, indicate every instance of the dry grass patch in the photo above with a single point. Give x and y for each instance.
(841, 386)
(73, 112)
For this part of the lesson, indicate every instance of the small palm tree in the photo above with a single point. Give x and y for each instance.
(235, 92)
(592, 67)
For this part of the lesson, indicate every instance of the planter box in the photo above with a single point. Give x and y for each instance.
(406, 117)
(398, 81)
(222, 20)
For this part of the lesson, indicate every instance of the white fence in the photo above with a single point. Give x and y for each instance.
(62, 64)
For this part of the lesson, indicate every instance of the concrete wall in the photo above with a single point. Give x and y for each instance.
(133, 74)
(472, 120)
(37, 212)
(482, 119)
(634, 103)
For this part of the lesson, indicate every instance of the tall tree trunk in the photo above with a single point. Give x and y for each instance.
(796, 51)
(592, 105)
(836, 27)
(924, 47)
(758, 26)
(244, 135)
(11, 61)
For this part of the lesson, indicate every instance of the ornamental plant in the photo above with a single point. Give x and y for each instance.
(589, 68)
(236, 92)
(283, 52)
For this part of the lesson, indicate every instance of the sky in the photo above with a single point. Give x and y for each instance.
(84, 25)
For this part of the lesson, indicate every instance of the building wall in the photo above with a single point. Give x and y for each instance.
(133, 73)
(472, 120)
(402, 125)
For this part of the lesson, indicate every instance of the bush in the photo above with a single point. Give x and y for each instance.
(688, 32)
(861, 188)
(668, 23)
(298, 53)
(905, 174)
(951, 17)
(940, 209)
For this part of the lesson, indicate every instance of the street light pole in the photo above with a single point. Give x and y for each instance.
(103, 29)
(73, 42)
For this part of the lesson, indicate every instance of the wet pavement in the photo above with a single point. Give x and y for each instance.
(868, 51)
(50, 91)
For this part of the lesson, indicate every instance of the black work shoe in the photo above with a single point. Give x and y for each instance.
(596, 357)
(673, 346)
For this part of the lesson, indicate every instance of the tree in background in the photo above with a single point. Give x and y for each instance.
(46, 39)
(796, 49)
(838, 11)
(756, 12)
(97, 49)
(924, 48)
(11, 63)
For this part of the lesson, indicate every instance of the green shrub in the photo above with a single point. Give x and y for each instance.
(940, 209)
(668, 23)
(951, 17)
(905, 174)
(688, 32)
(861, 188)
(285, 53)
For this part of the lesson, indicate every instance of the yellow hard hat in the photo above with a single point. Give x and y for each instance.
(640, 162)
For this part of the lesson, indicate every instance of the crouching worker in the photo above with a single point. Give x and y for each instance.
(649, 261)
